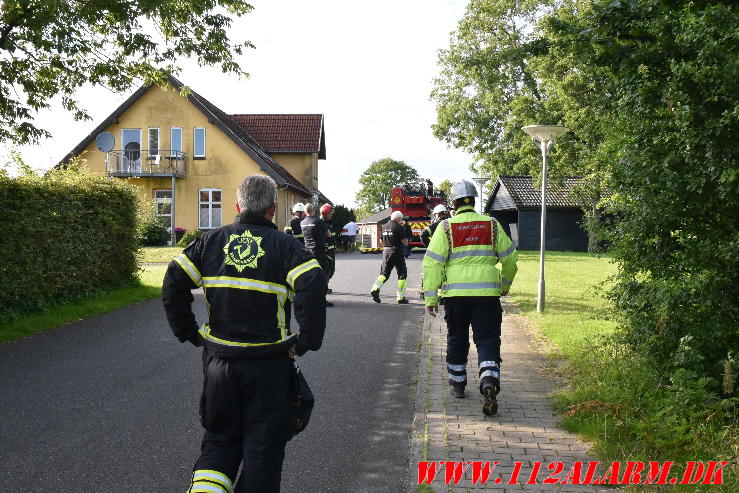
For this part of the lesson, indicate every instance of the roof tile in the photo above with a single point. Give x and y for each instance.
(285, 132)
(524, 194)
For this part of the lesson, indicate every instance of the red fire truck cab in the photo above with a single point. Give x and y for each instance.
(415, 202)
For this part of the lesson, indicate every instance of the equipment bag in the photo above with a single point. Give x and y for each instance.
(300, 399)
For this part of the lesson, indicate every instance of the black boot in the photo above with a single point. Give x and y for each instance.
(375, 293)
(457, 390)
(489, 388)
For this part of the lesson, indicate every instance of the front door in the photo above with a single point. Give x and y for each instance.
(131, 146)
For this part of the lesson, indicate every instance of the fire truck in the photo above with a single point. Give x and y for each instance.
(416, 201)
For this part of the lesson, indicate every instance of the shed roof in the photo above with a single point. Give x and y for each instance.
(286, 132)
(520, 190)
(377, 217)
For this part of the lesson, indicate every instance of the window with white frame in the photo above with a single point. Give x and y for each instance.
(175, 139)
(163, 204)
(153, 141)
(199, 142)
(210, 208)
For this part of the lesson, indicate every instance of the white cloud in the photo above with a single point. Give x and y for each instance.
(368, 67)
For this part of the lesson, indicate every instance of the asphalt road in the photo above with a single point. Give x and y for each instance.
(109, 404)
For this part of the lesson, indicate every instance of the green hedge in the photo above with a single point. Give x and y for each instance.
(63, 235)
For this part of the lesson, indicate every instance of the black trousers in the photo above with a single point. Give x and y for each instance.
(324, 260)
(485, 315)
(246, 419)
(393, 260)
(331, 254)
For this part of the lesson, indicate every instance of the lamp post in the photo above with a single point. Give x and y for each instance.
(544, 135)
(481, 181)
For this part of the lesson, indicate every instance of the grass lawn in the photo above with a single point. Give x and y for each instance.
(149, 286)
(616, 399)
(575, 311)
(159, 254)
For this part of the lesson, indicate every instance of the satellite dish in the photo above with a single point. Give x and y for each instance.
(105, 141)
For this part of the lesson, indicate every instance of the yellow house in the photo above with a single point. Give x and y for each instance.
(189, 156)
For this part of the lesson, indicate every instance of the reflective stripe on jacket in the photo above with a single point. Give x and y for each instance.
(462, 257)
(251, 275)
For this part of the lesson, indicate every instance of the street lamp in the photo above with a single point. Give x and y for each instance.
(481, 181)
(544, 135)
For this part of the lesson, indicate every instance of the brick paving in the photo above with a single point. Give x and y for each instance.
(525, 428)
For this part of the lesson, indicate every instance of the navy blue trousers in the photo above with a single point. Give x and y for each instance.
(246, 419)
(485, 315)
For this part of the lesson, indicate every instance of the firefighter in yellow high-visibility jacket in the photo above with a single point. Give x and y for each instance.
(462, 260)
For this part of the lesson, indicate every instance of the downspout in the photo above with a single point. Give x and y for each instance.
(281, 188)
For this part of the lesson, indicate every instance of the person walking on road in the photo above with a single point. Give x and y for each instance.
(248, 270)
(315, 233)
(440, 213)
(408, 234)
(394, 240)
(349, 236)
(326, 212)
(293, 227)
(461, 260)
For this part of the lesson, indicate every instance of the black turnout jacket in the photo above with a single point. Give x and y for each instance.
(251, 274)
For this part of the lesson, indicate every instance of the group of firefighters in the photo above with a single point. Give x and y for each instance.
(316, 235)
(254, 277)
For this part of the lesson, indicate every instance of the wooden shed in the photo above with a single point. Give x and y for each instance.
(370, 229)
(516, 204)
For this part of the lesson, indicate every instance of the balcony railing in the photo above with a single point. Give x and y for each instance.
(146, 162)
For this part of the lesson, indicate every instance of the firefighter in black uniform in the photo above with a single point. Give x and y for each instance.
(315, 233)
(293, 227)
(326, 212)
(440, 213)
(394, 239)
(251, 275)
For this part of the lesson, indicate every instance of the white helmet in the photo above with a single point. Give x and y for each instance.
(439, 209)
(396, 216)
(298, 208)
(461, 189)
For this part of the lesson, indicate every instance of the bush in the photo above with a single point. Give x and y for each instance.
(188, 238)
(64, 234)
(152, 229)
(635, 411)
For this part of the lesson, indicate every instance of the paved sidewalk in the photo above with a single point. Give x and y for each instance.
(450, 429)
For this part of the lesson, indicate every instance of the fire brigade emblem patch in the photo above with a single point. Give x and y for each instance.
(243, 250)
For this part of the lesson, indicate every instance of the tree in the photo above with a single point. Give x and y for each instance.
(342, 215)
(494, 80)
(667, 71)
(377, 183)
(445, 186)
(50, 48)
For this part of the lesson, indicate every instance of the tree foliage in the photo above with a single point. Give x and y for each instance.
(445, 186)
(342, 215)
(494, 80)
(649, 89)
(50, 48)
(668, 70)
(377, 183)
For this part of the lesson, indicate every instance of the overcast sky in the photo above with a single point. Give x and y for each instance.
(367, 66)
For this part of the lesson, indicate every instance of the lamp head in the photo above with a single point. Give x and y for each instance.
(544, 133)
